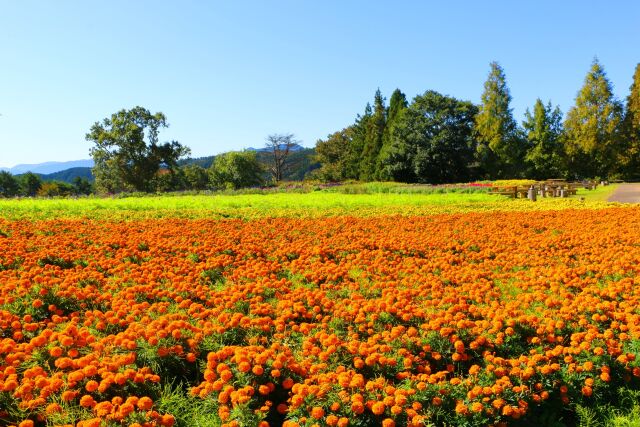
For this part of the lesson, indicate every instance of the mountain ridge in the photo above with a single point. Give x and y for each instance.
(46, 168)
(300, 163)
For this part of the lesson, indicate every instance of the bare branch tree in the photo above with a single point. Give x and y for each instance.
(280, 145)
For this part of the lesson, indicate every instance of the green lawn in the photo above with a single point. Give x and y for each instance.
(600, 194)
(278, 204)
(242, 205)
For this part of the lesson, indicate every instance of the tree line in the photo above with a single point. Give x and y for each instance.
(129, 157)
(128, 163)
(438, 139)
(30, 184)
(434, 139)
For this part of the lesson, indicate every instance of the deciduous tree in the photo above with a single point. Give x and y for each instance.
(434, 140)
(9, 185)
(280, 145)
(30, 183)
(82, 186)
(127, 153)
(196, 177)
(235, 169)
(333, 155)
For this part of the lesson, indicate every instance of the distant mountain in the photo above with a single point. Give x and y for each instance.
(294, 147)
(50, 167)
(205, 162)
(68, 175)
(300, 162)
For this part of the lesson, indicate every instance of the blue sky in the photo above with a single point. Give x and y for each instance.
(229, 73)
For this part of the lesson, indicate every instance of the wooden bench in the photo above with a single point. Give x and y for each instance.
(513, 192)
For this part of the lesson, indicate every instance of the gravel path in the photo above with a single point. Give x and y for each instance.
(626, 193)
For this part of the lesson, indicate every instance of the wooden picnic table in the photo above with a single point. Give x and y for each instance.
(547, 188)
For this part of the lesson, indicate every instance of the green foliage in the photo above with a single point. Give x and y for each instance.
(82, 185)
(9, 185)
(57, 261)
(333, 155)
(204, 162)
(387, 187)
(189, 411)
(372, 143)
(236, 169)
(433, 141)
(69, 175)
(631, 128)
(500, 149)
(169, 180)
(622, 411)
(256, 205)
(196, 177)
(213, 276)
(301, 164)
(358, 138)
(593, 141)
(30, 183)
(397, 105)
(127, 153)
(543, 131)
(55, 189)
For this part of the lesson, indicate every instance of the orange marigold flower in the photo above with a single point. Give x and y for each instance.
(378, 408)
(317, 412)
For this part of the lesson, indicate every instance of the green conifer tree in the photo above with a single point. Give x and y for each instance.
(631, 159)
(593, 140)
(374, 131)
(397, 104)
(354, 150)
(500, 149)
(543, 130)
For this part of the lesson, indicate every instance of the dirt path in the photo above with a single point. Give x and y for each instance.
(626, 193)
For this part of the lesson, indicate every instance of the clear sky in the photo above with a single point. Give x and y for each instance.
(228, 73)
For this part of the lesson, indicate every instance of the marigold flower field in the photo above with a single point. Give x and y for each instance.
(486, 318)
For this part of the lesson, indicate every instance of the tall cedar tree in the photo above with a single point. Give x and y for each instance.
(632, 128)
(500, 150)
(593, 140)
(434, 140)
(374, 130)
(543, 130)
(354, 150)
(397, 104)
